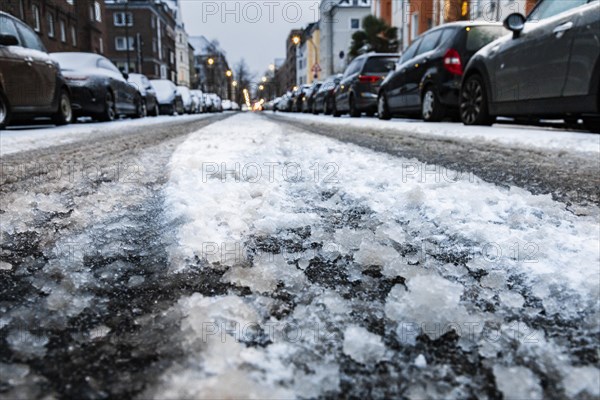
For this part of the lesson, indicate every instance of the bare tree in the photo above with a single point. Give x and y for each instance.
(244, 78)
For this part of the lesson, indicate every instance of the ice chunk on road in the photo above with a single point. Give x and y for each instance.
(582, 379)
(363, 346)
(420, 361)
(517, 383)
(373, 253)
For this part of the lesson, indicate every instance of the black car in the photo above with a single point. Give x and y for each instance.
(298, 97)
(31, 84)
(308, 103)
(149, 101)
(357, 91)
(426, 81)
(548, 68)
(98, 88)
(324, 97)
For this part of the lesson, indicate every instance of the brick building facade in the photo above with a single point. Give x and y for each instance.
(63, 25)
(142, 31)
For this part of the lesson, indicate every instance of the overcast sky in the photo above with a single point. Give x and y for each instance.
(252, 30)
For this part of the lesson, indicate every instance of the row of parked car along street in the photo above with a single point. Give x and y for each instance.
(65, 86)
(543, 66)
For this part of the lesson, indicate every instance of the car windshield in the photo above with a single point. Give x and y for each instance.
(479, 36)
(379, 65)
(162, 86)
(549, 8)
(75, 61)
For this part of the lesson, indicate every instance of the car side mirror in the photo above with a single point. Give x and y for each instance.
(515, 22)
(125, 75)
(8, 40)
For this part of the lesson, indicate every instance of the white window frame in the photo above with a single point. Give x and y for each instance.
(37, 24)
(63, 30)
(97, 12)
(123, 18)
(414, 26)
(121, 43)
(51, 27)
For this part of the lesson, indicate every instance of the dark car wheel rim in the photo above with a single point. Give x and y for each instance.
(471, 102)
(3, 111)
(110, 107)
(381, 108)
(428, 104)
(65, 108)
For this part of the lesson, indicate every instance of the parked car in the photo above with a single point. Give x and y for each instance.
(216, 102)
(31, 84)
(198, 97)
(324, 98)
(285, 103)
(426, 81)
(308, 103)
(298, 97)
(169, 99)
(357, 91)
(235, 106)
(548, 68)
(226, 105)
(98, 88)
(149, 101)
(186, 96)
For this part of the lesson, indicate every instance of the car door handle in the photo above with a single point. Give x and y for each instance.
(561, 29)
(29, 60)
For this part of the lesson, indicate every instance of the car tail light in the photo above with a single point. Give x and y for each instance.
(368, 78)
(452, 62)
(76, 77)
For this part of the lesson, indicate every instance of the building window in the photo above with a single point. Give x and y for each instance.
(101, 42)
(97, 12)
(354, 23)
(121, 43)
(50, 18)
(163, 72)
(122, 18)
(74, 36)
(414, 26)
(63, 31)
(71, 2)
(22, 9)
(172, 57)
(154, 47)
(35, 10)
(153, 23)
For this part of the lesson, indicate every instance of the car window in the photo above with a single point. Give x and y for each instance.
(105, 64)
(7, 27)
(410, 52)
(479, 36)
(352, 68)
(429, 42)
(380, 64)
(447, 34)
(549, 8)
(30, 38)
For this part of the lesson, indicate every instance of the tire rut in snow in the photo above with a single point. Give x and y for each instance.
(569, 178)
(84, 274)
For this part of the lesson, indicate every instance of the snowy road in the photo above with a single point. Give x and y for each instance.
(258, 258)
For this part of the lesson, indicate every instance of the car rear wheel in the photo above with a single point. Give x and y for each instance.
(64, 114)
(334, 110)
(354, 112)
(473, 103)
(140, 108)
(110, 112)
(592, 124)
(431, 108)
(383, 112)
(326, 107)
(156, 110)
(4, 111)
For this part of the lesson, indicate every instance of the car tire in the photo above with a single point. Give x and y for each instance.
(383, 110)
(314, 108)
(334, 110)
(432, 109)
(326, 107)
(173, 109)
(4, 111)
(110, 112)
(64, 114)
(473, 103)
(354, 112)
(156, 112)
(140, 108)
(592, 124)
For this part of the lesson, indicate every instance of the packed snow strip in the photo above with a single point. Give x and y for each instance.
(20, 139)
(513, 135)
(315, 229)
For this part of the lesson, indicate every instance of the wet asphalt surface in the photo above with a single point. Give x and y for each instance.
(106, 244)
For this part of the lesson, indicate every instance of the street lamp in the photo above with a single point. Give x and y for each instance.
(296, 40)
(211, 61)
(271, 67)
(234, 83)
(264, 79)
(261, 87)
(229, 73)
